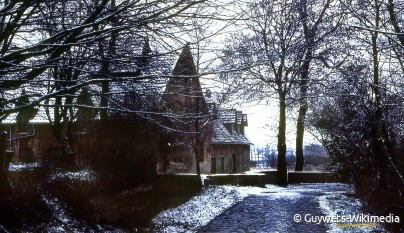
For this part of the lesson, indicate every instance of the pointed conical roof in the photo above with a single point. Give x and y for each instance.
(146, 47)
(27, 113)
(185, 64)
(84, 98)
(143, 60)
(23, 99)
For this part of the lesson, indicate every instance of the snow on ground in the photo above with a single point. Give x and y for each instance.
(202, 209)
(83, 175)
(333, 199)
(58, 211)
(62, 221)
(23, 166)
(199, 210)
(340, 204)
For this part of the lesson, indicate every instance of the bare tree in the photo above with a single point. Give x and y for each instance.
(359, 119)
(53, 49)
(41, 36)
(275, 56)
(319, 21)
(268, 53)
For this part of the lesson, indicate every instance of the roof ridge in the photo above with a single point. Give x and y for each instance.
(185, 64)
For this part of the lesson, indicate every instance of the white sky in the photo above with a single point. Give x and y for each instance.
(262, 127)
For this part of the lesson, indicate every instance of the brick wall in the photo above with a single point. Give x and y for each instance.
(183, 160)
(35, 145)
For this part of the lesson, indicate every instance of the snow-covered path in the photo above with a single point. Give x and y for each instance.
(270, 209)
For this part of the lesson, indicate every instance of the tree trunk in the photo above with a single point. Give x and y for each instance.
(304, 75)
(299, 138)
(104, 102)
(378, 115)
(198, 168)
(393, 20)
(282, 175)
(110, 52)
(377, 144)
(105, 70)
(197, 143)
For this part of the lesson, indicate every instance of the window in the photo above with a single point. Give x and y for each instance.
(219, 165)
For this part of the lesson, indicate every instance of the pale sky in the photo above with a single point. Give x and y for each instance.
(262, 127)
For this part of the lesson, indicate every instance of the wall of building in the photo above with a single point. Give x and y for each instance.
(222, 158)
(182, 160)
(35, 145)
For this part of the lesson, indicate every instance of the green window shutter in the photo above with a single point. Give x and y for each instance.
(218, 165)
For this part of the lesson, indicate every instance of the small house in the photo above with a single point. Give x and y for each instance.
(230, 147)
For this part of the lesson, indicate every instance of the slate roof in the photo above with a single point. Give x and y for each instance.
(221, 135)
(146, 61)
(40, 115)
(232, 116)
(40, 118)
(226, 115)
(184, 80)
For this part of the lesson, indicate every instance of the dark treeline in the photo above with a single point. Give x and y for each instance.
(316, 158)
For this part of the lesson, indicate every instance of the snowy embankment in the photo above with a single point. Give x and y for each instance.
(339, 204)
(199, 210)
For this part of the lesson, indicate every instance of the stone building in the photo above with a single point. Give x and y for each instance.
(219, 134)
(191, 122)
(230, 147)
(32, 138)
(195, 131)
